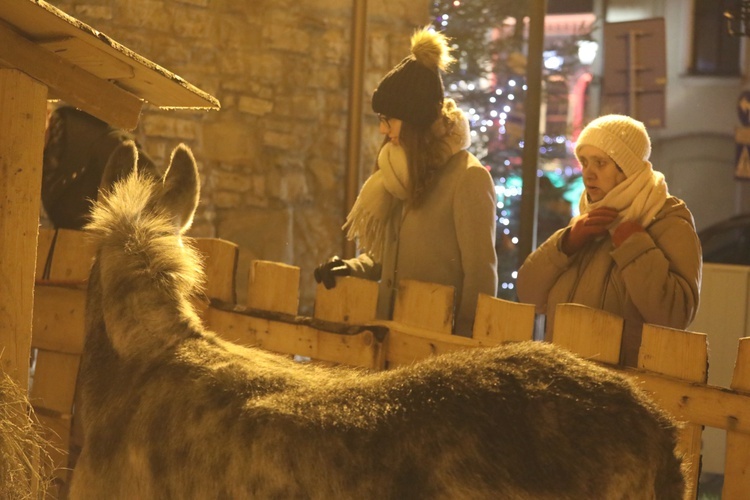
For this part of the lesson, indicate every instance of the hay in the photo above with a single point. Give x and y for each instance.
(25, 463)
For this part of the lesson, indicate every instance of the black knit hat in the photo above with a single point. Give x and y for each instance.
(413, 90)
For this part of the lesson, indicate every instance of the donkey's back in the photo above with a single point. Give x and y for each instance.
(172, 411)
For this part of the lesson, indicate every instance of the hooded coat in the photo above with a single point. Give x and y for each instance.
(652, 277)
(448, 238)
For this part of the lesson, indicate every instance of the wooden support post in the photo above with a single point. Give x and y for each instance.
(351, 301)
(737, 468)
(23, 113)
(273, 287)
(683, 355)
(502, 320)
(220, 264)
(590, 333)
(425, 305)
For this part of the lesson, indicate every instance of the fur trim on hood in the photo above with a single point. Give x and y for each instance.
(453, 127)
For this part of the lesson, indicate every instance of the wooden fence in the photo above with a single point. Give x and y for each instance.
(673, 364)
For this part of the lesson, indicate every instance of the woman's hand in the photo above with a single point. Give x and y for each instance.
(624, 231)
(588, 227)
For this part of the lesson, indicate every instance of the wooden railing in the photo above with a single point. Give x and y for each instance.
(673, 364)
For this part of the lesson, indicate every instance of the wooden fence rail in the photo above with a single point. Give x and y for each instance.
(673, 364)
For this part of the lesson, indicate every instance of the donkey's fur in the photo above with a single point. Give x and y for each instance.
(172, 411)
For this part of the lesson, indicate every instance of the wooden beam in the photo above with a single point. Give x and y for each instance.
(67, 81)
(23, 102)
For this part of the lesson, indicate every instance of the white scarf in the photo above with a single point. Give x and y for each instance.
(369, 216)
(638, 198)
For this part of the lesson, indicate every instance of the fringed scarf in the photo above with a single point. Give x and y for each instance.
(369, 216)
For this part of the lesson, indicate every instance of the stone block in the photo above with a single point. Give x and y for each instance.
(230, 142)
(255, 106)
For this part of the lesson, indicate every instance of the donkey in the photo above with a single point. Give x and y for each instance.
(172, 411)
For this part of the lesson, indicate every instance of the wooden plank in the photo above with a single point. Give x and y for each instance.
(363, 349)
(273, 286)
(502, 320)
(40, 21)
(77, 87)
(425, 305)
(407, 345)
(59, 319)
(88, 58)
(351, 301)
(72, 257)
(233, 327)
(683, 355)
(590, 333)
(737, 464)
(220, 265)
(54, 381)
(23, 105)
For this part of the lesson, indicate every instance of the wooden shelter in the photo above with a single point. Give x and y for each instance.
(47, 54)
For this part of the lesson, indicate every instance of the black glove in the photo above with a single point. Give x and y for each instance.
(326, 273)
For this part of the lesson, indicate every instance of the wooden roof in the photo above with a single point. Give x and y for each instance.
(86, 68)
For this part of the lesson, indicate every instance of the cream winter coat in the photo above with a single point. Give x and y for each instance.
(449, 238)
(653, 277)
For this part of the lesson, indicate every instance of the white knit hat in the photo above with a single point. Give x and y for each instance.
(624, 139)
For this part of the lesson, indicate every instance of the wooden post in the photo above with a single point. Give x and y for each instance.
(501, 320)
(683, 355)
(737, 468)
(273, 286)
(351, 301)
(590, 333)
(23, 112)
(425, 305)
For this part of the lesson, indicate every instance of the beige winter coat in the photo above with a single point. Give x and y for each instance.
(653, 277)
(448, 239)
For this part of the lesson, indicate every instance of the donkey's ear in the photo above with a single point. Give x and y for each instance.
(122, 161)
(181, 189)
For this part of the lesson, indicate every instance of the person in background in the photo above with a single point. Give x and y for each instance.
(427, 213)
(632, 251)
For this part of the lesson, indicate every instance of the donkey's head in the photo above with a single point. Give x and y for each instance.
(144, 276)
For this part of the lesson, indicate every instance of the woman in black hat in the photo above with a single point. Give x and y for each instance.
(427, 213)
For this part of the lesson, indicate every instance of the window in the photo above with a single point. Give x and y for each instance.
(715, 51)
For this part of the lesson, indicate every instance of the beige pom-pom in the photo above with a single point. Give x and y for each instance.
(430, 48)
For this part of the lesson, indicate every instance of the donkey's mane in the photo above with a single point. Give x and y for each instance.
(142, 243)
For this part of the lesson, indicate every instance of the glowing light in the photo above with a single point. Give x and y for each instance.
(514, 274)
(493, 113)
(492, 99)
(511, 97)
(470, 86)
(514, 240)
(512, 83)
(499, 91)
(506, 108)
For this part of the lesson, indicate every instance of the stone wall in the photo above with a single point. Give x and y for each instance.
(273, 159)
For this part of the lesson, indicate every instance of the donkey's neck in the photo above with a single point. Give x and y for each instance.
(147, 275)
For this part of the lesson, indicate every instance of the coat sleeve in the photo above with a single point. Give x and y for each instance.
(474, 209)
(541, 270)
(662, 277)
